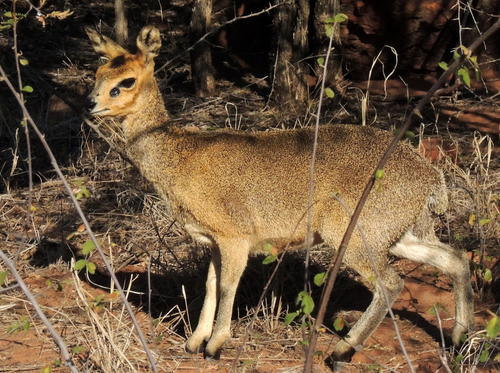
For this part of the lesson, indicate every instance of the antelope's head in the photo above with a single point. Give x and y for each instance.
(125, 81)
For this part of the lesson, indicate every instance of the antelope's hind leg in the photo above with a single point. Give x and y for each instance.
(452, 263)
(387, 288)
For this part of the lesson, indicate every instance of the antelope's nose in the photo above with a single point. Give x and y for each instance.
(90, 104)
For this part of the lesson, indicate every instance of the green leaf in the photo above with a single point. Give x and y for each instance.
(484, 221)
(8, 14)
(329, 30)
(80, 264)
(456, 55)
(410, 135)
(341, 17)
(22, 324)
(339, 324)
(83, 192)
(91, 267)
(432, 311)
(290, 317)
(438, 307)
(5, 27)
(379, 174)
(443, 65)
(473, 60)
(23, 61)
(46, 370)
(26, 324)
(306, 302)
(319, 278)
(267, 247)
(483, 358)
(27, 89)
(487, 275)
(321, 61)
(269, 259)
(463, 73)
(3, 277)
(88, 247)
(329, 93)
(24, 123)
(459, 358)
(493, 327)
(78, 349)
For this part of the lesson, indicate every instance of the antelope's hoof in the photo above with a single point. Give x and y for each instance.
(195, 348)
(209, 356)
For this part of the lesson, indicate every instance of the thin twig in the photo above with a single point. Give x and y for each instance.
(26, 128)
(441, 353)
(55, 335)
(312, 179)
(9, 288)
(78, 208)
(335, 266)
(38, 10)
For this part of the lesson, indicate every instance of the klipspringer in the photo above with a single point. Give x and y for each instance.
(236, 191)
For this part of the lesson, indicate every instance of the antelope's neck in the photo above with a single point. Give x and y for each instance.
(152, 114)
(148, 140)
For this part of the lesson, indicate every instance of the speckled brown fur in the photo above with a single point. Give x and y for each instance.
(237, 191)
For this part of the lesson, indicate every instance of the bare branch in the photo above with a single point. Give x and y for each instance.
(312, 179)
(26, 128)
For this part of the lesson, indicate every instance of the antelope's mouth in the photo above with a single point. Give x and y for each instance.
(98, 113)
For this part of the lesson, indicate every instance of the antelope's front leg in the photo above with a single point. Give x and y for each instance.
(234, 257)
(203, 330)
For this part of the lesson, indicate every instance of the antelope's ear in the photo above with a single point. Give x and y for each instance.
(149, 42)
(103, 45)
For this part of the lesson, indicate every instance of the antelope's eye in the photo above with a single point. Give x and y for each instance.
(114, 92)
(127, 83)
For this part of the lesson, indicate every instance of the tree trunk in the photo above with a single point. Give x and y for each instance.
(202, 70)
(121, 25)
(291, 25)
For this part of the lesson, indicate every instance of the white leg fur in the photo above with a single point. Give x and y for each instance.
(205, 323)
(234, 257)
(453, 264)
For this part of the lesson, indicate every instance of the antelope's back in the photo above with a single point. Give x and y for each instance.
(257, 184)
